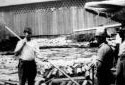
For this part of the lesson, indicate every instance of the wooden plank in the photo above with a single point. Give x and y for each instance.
(54, 21)
(94, 28)
(67, 79)
(6, 82)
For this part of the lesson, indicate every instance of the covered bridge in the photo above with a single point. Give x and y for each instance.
(47, 17)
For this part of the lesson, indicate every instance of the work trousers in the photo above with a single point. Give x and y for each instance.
(104, 75)
(120, 76)
(27, 72)
(104, 78)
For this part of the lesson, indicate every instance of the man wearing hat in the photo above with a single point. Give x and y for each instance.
(120, 75)
(105, 56)
(26, 53)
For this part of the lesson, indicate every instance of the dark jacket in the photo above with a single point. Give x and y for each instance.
(120, 77)
(105, 63)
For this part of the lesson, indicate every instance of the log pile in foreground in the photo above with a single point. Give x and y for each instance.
(80, 70)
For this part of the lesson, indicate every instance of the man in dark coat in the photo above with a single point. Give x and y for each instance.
(105, 58)
(120, 76)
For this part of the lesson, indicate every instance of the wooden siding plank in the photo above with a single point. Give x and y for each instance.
(54, 22)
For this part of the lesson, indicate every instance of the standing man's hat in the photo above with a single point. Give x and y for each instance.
(28, 30)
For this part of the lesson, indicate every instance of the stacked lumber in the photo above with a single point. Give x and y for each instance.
(73, 71)
(81, 71)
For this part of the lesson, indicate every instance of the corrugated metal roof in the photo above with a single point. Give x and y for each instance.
(4, 3)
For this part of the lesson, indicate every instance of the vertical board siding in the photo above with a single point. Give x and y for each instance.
(51, 18)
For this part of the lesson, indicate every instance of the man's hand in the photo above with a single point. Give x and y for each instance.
(94, 60)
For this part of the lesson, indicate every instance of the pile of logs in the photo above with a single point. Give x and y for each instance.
(73, 71)
(83, 73)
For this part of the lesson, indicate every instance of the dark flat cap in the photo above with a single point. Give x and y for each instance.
(28, 30)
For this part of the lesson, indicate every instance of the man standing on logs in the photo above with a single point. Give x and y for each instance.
(27, 65)
(105, 58)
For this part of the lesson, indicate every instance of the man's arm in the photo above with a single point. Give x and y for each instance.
(39, 56)
(19, 47)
